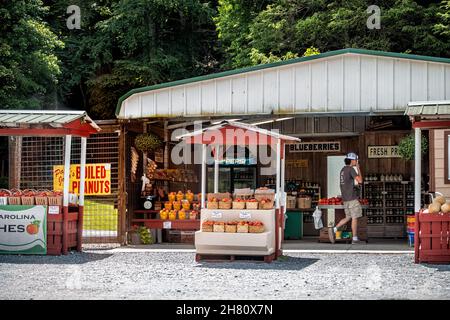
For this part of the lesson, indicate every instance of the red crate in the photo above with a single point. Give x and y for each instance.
(55, 233)
(432, 234)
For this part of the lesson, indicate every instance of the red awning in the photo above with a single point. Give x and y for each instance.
(46, 123)
(236, 133)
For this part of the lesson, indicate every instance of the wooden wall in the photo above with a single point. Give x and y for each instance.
(437, 155)
(317, 161)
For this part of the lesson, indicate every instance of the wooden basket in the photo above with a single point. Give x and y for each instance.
(242, 228)
(266, 206)
(251, 205)
(218, 196)
(4, 199)
(238, 204)
(255, 229)
(261, 196)
(212, 205)
(225, 205)
(15, 201)
(41, 201)
(230, 228)
(55, 200)
(219, 228)
(291, 202)
(27, 201)
(207, 228)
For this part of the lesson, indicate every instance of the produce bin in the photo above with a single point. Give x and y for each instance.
(294, 225)
(432, 238)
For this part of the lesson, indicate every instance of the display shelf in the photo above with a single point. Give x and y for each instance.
(381, 196)
(174, 224)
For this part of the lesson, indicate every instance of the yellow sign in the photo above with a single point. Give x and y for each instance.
(297, 163)
(98, 179)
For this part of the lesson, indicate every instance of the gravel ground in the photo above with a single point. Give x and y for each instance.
(99, 274)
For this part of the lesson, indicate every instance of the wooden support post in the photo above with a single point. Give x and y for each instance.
(15, 160)
(81, 200)
(122, 196)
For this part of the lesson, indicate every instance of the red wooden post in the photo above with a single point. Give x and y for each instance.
(417, 239)
(80, 228)
(65, 235)
(277, 229)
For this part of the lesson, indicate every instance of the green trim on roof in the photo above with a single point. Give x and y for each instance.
(277, 64)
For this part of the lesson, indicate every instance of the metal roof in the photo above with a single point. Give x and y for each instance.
(240, 125)
(342, 81)
(46, 120)
(428, 109)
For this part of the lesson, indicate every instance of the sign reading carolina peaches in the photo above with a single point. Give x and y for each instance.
(23, 229)
(98, 179)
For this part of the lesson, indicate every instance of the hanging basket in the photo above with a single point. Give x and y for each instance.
(146, 142)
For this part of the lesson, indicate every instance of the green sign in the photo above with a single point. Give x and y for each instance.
(23, 229)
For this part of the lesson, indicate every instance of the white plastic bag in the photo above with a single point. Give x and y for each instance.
(317, 215)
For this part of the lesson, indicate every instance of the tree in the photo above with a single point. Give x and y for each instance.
(28, 65)
(286, 28)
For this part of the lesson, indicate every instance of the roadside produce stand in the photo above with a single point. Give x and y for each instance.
(432, 225)
(244, 225)
(45, 222)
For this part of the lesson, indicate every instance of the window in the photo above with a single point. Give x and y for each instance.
(446, 157)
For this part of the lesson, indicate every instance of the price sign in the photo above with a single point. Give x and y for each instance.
(245, 215)
(216, 215)
(53, 210)
(167, 225)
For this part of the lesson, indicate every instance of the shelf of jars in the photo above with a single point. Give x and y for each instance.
(391, 199)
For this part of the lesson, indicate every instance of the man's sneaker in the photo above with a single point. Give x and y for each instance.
(357, 241)
(331, 235)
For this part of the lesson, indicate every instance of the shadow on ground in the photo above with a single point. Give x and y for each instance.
(284, 263)
(438, 267)
(71, 258)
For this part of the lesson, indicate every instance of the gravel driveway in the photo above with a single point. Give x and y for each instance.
(175, 275)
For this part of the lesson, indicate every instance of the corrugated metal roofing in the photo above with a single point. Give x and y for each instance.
(346, 82)
(428, 108)
(55, 118)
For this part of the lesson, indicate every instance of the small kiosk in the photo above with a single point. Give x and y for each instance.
(265, 244)
(45, 224)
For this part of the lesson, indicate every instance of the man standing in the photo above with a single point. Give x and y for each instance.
(350, 178)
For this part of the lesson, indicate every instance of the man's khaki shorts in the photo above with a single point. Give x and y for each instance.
(352, 209)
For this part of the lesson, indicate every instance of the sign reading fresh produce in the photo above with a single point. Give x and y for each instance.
(98, 179)
(383, 152)
(23, 229)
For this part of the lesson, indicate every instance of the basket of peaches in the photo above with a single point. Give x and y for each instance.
(251, 204)
(238, 203)
(255, 227)
(225, 203)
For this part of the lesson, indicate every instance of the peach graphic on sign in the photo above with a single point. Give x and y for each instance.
(33, 228)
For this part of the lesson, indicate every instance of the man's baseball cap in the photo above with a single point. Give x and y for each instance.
(352, 156)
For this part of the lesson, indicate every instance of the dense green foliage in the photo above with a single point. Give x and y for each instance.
(123, 44)
(28, 65)
(289, 27)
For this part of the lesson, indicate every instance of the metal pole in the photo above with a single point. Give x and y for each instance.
(278, 174)
(81, 200)
(65, 231)
(82, 170)
(216, 170)
(68, 145)
(417, 169)
(203, 175)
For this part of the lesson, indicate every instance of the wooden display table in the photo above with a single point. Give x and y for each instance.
(244, 244)
(339, 214)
